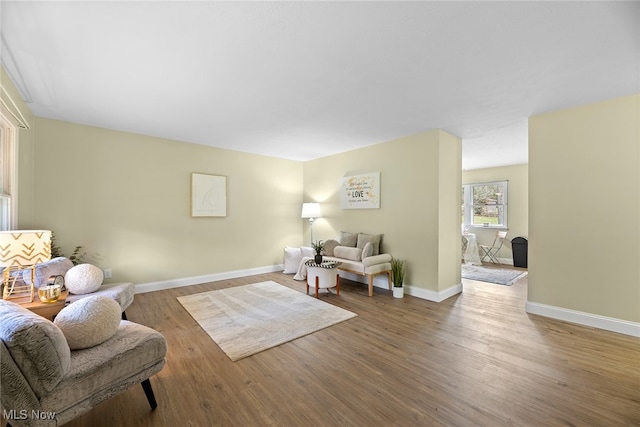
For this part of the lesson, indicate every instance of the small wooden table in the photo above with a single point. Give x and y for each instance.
(47, 310)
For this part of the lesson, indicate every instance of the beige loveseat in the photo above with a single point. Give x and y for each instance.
(358, 253)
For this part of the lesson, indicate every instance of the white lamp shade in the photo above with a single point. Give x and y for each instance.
(24, 247)
(311, 210)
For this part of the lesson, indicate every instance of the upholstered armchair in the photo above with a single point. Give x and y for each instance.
(54, 372)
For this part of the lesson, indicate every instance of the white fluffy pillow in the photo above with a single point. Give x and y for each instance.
(292, 258)
(83, 279)
(89, 321)
(307, 251)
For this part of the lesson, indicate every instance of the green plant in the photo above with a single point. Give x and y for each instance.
(318, 246)
(77, 257)
(398, 268)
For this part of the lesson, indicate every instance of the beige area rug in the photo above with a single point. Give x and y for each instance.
(245, 320)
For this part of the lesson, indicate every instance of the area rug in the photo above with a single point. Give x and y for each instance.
(492, 275)
(245, 320)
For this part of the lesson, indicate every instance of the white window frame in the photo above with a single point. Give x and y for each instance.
(467, 191)
(9, 171)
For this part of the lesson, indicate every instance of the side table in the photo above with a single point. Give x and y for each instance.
(323, 275)
(47, 310)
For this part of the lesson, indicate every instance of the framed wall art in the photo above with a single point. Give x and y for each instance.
(360, 191)
(208, 195)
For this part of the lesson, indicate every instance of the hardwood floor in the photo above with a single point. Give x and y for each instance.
(476, 359)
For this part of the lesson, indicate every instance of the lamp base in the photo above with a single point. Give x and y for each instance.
(14, 287)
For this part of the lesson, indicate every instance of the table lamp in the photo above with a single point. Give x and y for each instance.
(22, 250)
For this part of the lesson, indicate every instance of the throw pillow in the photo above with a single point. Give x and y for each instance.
(354, 254)
(89, 321)
(375, 239)
(348, 239)
(83, 279)
(329, 246)
(367, 251)
(307, 251)
(292, 258)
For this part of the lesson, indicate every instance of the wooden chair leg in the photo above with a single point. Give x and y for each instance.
(148, 391)
(370, 285)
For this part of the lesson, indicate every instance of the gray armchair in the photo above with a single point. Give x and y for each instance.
(44, 383)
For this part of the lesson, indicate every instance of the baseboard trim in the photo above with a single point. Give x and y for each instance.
(585, 319)
(434, 296)
(379, 281)
(196, 280)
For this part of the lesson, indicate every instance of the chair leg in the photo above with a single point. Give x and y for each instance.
(148, 391)
(124, 316)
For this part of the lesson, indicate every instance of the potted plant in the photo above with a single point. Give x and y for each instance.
(398, 268)
(318, 247)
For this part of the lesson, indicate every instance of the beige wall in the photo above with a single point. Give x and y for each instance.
(584, 198)
(518, 203)
(419, 186)
(126, 198)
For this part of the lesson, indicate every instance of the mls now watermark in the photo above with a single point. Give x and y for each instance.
(24, 414)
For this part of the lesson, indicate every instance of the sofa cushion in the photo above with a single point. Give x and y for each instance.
(89, 321)
(83, 279)
(36, 345)
(375, 239)
(348, 239)
(329, 246)
(354, 254)
(292, 258)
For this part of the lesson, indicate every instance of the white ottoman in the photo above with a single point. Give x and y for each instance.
(322, 276)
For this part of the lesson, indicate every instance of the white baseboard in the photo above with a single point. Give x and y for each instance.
(196, 280)
(586, 319)
(433, 295)
(382, 282)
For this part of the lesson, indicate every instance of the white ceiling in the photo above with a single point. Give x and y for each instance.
(302, 80)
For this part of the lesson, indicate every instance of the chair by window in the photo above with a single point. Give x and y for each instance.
(492, 251)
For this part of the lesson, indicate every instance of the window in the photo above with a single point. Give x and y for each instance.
(485, 204)
(7, 174)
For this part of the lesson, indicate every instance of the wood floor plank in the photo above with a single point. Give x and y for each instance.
(476, 359)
